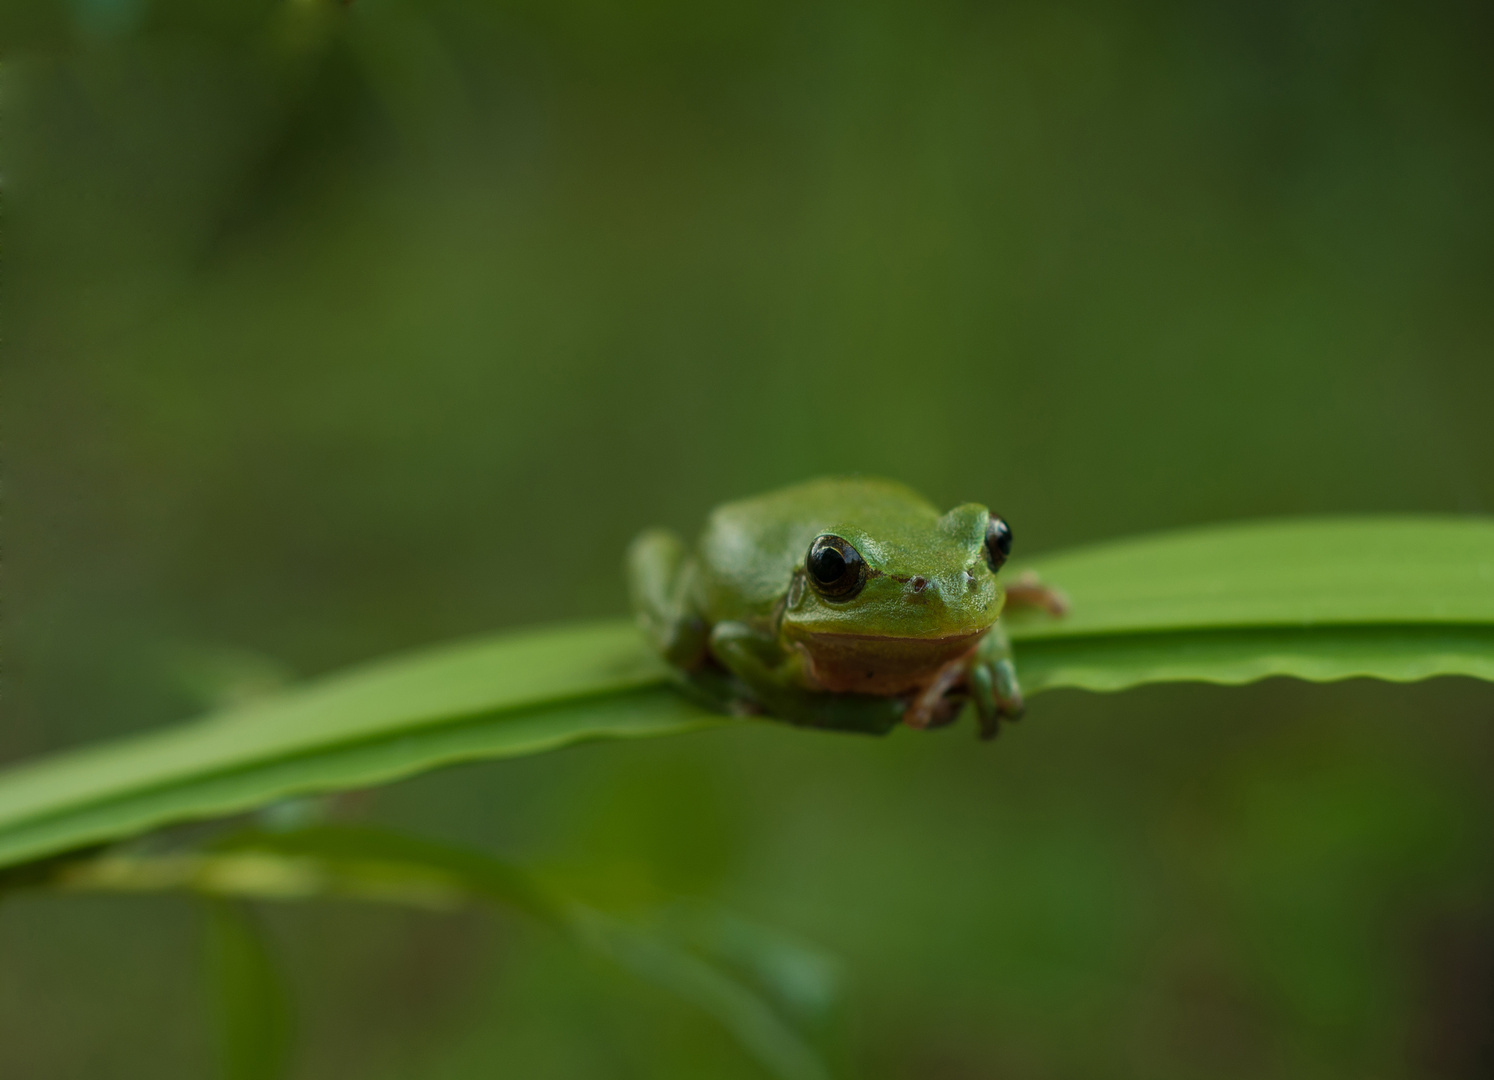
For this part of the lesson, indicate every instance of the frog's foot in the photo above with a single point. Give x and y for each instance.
(1028, 592)
(937, 704)
(948, 710)
(994, 690)
(660, 572)
(717, 690)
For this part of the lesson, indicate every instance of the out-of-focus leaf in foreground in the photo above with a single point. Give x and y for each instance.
(1390, 598)
(379, 866)
(254, 1009)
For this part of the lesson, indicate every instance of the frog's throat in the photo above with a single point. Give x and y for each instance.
(872, 664)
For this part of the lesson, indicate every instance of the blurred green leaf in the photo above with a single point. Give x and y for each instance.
(802, 981)
(374, 865)
(1397, 599)
(747, 1016)
(253, 1007)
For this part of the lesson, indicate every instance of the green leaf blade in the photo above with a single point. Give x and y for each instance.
(1389, 598)
(1235, 657)
(470, 679)
(502, 696)
(1305, 572)
(69, 822)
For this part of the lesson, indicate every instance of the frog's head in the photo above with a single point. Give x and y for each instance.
(880, 606)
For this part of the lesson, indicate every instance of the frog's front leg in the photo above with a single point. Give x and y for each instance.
(993, 683)
(774, 678)
(660, 574)
(939, 703)
(992, 676)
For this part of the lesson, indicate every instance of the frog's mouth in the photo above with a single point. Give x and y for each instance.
(886, 666)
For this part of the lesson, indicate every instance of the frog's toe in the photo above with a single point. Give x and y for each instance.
(1007, 691)
(983, 697)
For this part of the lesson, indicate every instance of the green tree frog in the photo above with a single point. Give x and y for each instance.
(845, 603)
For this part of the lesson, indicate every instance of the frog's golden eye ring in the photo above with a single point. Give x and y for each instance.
(836, 569)
(998, 542)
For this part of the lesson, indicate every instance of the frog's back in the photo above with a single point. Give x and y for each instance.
(749, 549)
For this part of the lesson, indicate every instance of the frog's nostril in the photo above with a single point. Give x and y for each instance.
(930, 589)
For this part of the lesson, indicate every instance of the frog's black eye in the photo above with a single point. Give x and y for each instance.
(998, 542)
(835, 568)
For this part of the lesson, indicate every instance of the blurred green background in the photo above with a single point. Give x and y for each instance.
(331, 331)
